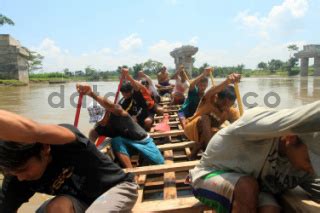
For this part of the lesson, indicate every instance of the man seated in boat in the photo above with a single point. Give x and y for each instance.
(133, 102)
(143, 96)
(128, 137)
(58, 160)
(196, 90)
(146, 81)
(164, 85)
(250, 163)
(216, 107)
(181, 86)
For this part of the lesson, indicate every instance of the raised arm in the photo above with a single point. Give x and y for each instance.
(141, 74)
(135, 84)
(232, 78)
(86, 89)
(195, 81)
(23, 130)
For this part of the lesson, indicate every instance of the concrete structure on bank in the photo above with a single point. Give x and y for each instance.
(309, 51)
(13, 59)
(183, 56)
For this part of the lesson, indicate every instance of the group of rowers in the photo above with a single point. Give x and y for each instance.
(247, 161)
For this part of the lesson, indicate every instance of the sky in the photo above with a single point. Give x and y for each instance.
(105, 34)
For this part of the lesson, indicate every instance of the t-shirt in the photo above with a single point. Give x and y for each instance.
(181, 87)
(130, 106)
(77, 169)
(123, 126)
(147, 97)
(247, 146)
(190, 105)
(277, 173)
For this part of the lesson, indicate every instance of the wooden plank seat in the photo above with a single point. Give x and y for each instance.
(170, 202)
(297, 200)
(161, 117)
(166, 134)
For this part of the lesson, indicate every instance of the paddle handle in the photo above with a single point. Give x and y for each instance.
(76, 119)
(236, 88)
(211, 77)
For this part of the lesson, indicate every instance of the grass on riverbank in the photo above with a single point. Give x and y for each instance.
(12, 83)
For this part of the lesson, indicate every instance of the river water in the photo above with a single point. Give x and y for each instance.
(56, 104)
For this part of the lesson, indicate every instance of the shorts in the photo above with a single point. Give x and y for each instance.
(78, 206)
(191, 129)
(165, 83)
(181, 115)
(123, 196)
(216, 190)
(146, 148)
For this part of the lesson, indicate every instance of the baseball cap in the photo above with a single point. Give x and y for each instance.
(96, 112)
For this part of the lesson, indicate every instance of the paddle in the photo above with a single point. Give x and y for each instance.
(101, 138)
(76, 119)
(240, 106)
(211, 76)
(163, 126)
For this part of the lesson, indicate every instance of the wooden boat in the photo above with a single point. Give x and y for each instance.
(162, 187)
(57, 81)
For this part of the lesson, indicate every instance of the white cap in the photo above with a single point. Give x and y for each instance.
(96, 112)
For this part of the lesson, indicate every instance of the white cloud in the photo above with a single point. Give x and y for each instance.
(265, 51)
(279, 18)
(194, 40)
(58, 58)
(131, 42)
(160, 51)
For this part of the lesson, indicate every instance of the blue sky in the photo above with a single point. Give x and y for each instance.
(104, 34)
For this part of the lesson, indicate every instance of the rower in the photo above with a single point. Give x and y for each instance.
(128, 138)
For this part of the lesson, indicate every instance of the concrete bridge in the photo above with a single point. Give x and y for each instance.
(309, 51)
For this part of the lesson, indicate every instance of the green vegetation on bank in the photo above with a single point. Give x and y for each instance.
(12, 83)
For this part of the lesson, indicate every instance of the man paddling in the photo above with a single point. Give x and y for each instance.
(128, 137)
(58, 160)
(248, 164)
(196, 90)
(216, 107)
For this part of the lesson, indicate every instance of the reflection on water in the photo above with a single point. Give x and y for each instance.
(32, 101)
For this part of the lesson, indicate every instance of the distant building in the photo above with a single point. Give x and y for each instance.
(13, 59)
(79, 73)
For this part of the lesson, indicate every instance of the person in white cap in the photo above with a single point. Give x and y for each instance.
(267, 151)
(128, 137)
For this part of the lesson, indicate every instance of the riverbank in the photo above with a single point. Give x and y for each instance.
(15, 83)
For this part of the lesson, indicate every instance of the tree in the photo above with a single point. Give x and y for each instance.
(5, 20)
(274, 65)
(136, 68)
(67, 72)
(152, 66)
(90, 71)
(290, 64)
(292, 48)
(240, 68)
(34, 61)
(262, 65)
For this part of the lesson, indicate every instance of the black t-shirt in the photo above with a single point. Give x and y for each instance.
(77, 169)
(123, 126)
(134, 109)
(141, 102)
